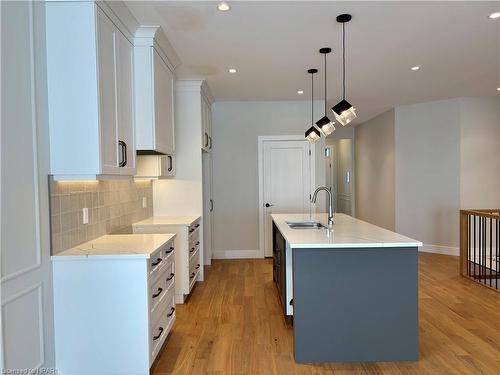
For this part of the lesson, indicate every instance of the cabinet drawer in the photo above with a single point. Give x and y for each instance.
(165, 302)
(160, 259)
(193, 227)
(160, 329)
(157, 292)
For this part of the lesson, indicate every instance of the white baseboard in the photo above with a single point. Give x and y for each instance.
(236, 254)
(445, 250)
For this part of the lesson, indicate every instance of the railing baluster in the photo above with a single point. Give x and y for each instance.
(474, 264)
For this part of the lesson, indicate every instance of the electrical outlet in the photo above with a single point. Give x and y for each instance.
(85, 215)
(144, 202)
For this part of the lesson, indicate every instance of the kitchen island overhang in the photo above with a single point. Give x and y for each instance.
(354, 291)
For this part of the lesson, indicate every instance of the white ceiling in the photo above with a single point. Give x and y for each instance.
(272, 44)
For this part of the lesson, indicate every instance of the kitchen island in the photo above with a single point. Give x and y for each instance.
(352, 289)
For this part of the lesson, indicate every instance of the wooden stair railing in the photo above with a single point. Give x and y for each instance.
(479, 246)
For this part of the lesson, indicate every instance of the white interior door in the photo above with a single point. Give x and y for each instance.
(286, 182)
(26, 288)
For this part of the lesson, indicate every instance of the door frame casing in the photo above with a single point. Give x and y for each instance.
(260, 153)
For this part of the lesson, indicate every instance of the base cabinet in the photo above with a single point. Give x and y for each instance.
(112, 314)
(188, 255)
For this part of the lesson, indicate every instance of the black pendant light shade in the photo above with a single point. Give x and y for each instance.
(312, 134)
(344, 111)
(325, 124)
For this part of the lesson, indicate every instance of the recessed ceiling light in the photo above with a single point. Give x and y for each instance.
(232, 70)
(414, 68)
(300, 92)
(498, 88)
(494, 15)
(223, 6)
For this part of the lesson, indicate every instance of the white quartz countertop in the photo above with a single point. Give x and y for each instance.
(166, 221)
(347, 232)
(117, 245)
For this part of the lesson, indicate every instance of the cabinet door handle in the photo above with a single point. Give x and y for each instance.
(170, 164)
(125, 160)
(206, 139)
(122, 161)
(171, 277)
(210, 142)
(197, 266)
(158, 261)
(211, 205)
(269, 205)
(159, 334)
(169, 251)
(157, 293)
(192, 275)
(172, 309)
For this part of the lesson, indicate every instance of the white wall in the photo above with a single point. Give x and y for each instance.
(375, 181)
(427, 137)
(236, 126)
(419, 164)
(480, 152)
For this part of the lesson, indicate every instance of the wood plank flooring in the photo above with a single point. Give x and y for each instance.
(232, 324)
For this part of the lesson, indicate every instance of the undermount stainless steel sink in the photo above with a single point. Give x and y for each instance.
(308, 224)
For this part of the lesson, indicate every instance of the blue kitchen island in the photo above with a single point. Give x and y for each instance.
(352, 289)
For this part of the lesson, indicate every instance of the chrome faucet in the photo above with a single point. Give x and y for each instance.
(331, 213)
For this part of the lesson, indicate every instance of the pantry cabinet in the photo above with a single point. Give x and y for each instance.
(90, 64)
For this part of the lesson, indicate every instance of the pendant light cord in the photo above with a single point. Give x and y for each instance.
(343, 60)
(325, 84)
(312, 99)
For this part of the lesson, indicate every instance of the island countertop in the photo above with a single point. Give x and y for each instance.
(347, 232)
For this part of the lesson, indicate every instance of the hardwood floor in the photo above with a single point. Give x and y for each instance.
(232, 324)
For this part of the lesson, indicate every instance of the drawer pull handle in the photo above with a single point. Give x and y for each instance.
(197, 243)
(198, 266)
(191, 230)
(197, 225)
(157, 293)
(171, 312)
(192, 275)
(169, 251)
(171, 277)
(158, 261)
(192, 249)
(160, 330)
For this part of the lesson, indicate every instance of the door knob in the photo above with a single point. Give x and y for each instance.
(269, 205)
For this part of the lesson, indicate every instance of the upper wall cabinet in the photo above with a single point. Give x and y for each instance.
(155, 62)
(90, 64)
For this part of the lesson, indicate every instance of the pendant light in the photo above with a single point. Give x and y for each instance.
(324, 124)
(344, 111)
(312, 134)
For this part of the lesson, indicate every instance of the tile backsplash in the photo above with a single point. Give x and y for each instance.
(112, 206)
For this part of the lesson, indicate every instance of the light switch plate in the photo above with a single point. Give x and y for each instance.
(85, 215)
(144, 202)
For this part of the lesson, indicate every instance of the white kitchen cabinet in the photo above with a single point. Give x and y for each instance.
(114, 304)
(155, 166)
(154, 82)
(189, 250)
(90, 92)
